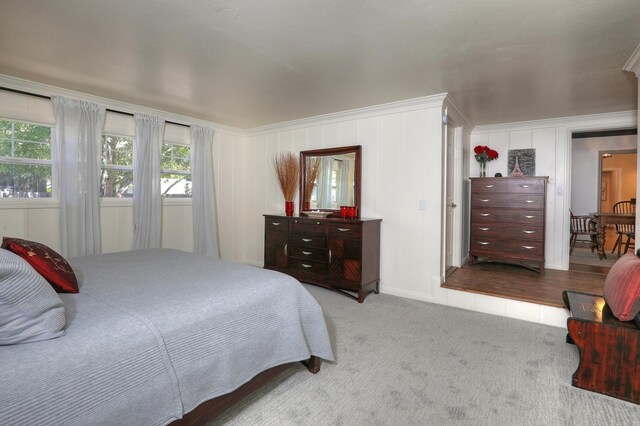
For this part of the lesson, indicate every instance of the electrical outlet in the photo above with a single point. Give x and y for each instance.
(422, 204)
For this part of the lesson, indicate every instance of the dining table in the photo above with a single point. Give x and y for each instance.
(608, 218)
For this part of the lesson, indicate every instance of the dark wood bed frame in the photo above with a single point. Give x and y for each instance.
(213, 408)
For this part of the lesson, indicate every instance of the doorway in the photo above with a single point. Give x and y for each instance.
(603, 173)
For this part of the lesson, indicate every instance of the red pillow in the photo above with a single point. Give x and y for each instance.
(53, 267)
(622, 287)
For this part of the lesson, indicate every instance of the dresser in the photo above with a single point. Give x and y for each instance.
(508, 220)
(340, 254)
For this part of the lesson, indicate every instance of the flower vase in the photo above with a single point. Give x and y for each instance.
(483, 168)
(289, 207)
(307, 206)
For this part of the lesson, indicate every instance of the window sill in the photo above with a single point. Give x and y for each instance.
(127, 202)
(29, 203)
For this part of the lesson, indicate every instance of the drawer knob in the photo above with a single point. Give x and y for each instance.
(285, 250)
(529, 216)
(485, 200)
(317, 223)
(485, 214)
(304, 265)
(525, 186)
(528, 247)
(307, 240)
(484, 229)
(344, 229)
(275, 223)
(529, 201)
(307, 253)
(489, 186)
(528, 232)
(329, 255)
(484, 243)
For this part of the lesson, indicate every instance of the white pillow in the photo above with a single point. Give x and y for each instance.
(30, 309)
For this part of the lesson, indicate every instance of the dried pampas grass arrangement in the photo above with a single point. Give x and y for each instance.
(287, 168)
(313, 166)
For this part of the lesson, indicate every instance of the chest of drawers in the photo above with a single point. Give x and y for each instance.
(508, 220)
(339, 254)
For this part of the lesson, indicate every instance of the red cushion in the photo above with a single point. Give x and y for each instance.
(622, 287)
(52, 266)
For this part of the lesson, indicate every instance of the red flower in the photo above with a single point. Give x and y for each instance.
(492, 154)
(479, 149)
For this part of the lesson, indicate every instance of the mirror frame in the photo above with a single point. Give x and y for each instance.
(357, 149)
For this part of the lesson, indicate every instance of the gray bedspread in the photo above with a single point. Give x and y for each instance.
(152, 334)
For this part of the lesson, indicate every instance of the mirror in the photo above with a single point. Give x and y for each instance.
(330, 178)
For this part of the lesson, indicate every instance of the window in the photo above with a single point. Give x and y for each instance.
(116, 179)
(25, 160)
(175, 173)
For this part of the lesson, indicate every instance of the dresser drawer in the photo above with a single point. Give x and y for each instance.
(276, 224)
(500, 247)
(307, 267)
(506, 200)
(507, 231)
(529, 217)
(302, 226)
(345, 230)
(489, 185)
(308, 240)
(526, 186)
(309, 254)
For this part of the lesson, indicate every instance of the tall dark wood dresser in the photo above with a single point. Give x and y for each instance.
(340, 254)
(508, 220)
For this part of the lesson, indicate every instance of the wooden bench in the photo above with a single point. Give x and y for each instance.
(609, 348)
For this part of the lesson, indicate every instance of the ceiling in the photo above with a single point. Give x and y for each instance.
(247, 63)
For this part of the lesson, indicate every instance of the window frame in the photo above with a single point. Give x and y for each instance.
(177, 171)
(115, 166)
(32, 162)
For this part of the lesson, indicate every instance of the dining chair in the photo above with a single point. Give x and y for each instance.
(628, 230)
(584, 225)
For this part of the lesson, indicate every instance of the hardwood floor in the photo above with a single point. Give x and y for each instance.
(518, 283)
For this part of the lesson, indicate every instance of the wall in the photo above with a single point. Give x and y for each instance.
(38, 219)
(552, 141)
(585, 163)
(401, 164)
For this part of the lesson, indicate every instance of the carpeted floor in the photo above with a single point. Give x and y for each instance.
(404, 362)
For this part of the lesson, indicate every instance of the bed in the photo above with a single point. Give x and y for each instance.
(153, 334)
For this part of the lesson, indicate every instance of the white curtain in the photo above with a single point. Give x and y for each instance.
(324, 183)
(342, 192)
(147, 203)
(77, 147)
(205, 228)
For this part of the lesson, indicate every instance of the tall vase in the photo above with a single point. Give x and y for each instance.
(483, 168)
(289, 207)
(307, 206)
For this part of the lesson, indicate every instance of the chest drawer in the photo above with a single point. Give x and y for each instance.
(309, 254)
(345, 230)
(533, 250)
(489, 185)
(307, 267)
(308, 240)
(276, 224)
(506, 200)
(507, 231)
(307, 226)
(530, 217)
(526, 186)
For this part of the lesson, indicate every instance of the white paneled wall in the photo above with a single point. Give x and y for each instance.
(401, 164)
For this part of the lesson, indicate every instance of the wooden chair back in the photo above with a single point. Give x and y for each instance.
(625, 207)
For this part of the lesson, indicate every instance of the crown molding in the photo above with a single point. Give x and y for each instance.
(458, 114)
(47, 90)
(633, 63)
(358, 113)
(611, 120)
